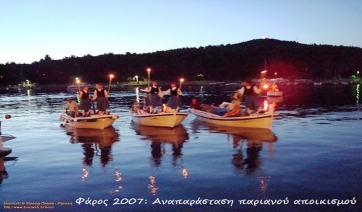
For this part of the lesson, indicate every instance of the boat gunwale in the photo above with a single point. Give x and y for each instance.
(146, 115)
(211, 116)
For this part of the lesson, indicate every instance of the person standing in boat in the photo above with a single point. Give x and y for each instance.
(251, 93)
(85, 101)
(175, 100)
(155, 96)
(73, 108)
(101, 95)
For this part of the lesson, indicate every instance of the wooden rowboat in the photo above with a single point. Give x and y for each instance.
(159, 120)
(253, 121)
(92, 122)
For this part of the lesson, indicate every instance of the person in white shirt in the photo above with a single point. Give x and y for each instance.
(73, 108)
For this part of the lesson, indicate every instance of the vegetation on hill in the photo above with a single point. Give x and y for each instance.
(231, 62)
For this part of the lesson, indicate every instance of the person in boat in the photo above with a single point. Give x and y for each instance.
(155, 96)
(85, 101)
(235, 109)
(251, 93)
(73, 108)
(195, 104)
(137, 108)
(101, 95)
(175, 100)
(146, 103)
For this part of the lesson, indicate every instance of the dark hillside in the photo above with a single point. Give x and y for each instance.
(224, 62)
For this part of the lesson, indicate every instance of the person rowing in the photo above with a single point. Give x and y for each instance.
(73, 108)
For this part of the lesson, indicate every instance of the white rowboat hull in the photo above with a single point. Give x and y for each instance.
(254, 121)
(160, 119)
(92, 122)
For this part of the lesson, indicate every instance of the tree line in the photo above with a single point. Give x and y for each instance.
(231, 62)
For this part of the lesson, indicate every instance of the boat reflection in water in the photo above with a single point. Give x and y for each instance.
(160, 138)
(94, 143)
(3, 173)
(3, 156)
(251, 138)
(274, 99)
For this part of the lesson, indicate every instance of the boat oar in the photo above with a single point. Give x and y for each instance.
(94, 109)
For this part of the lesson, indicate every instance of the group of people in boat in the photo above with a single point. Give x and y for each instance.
(233, 108)
(100, 95)
(154, 96)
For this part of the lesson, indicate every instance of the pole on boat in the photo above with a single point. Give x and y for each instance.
(148, 79)
(111, 76)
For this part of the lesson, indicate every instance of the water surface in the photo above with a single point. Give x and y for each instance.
(312, 152)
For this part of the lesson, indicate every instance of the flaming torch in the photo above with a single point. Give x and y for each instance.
(181, 81)
(77, 81)
(111, 76)
(148, 73)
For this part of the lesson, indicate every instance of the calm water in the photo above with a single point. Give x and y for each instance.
(312, 152)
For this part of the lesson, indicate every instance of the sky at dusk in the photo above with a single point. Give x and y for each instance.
(29, 30)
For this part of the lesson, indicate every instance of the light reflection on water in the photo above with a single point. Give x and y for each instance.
(312, 145)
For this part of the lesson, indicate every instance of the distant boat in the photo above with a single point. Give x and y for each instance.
(274, 92)
(74, 88)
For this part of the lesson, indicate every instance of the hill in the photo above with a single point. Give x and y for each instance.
(287, 59)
